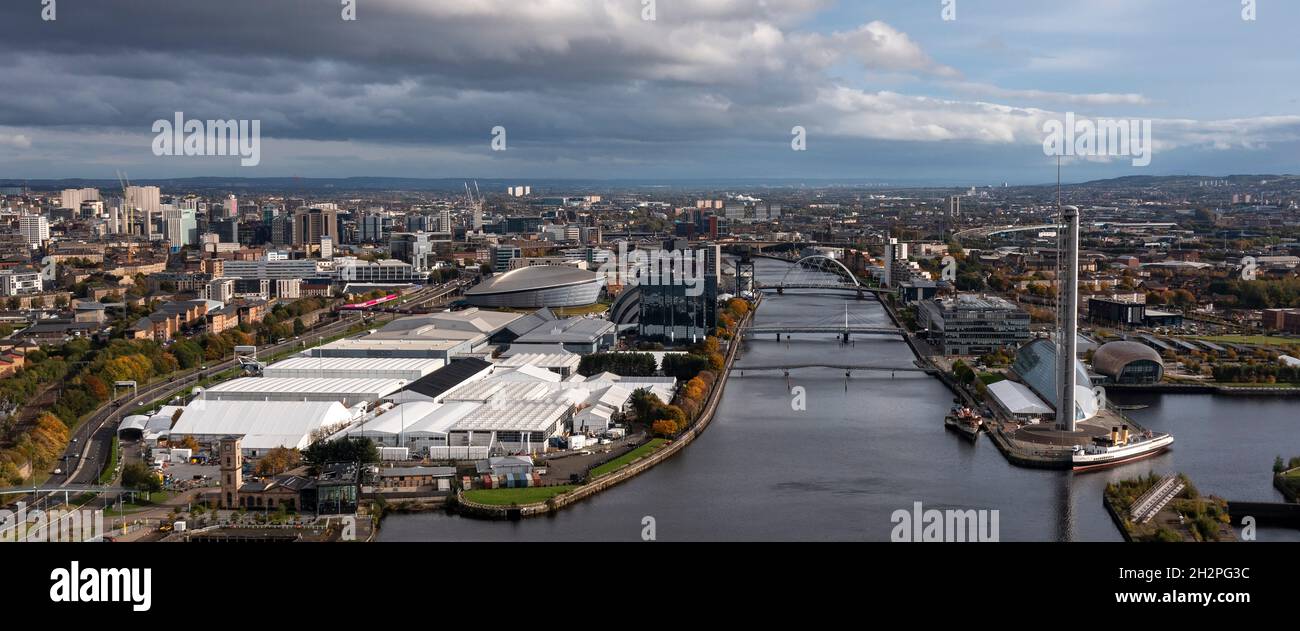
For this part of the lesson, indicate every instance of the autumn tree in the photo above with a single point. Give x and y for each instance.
(277, 461)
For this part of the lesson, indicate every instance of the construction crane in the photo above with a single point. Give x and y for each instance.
(125, 217)
(475, 200)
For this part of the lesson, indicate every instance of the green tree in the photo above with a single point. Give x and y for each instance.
(138, 476)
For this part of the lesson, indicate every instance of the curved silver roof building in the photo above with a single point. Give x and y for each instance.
(1128, 362)
(535, 287)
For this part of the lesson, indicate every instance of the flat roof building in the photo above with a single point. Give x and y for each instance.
(970, 324)
(406, 368)
(346, 391)
(369, 347)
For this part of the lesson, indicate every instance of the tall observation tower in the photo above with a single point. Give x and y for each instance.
(1067, 320)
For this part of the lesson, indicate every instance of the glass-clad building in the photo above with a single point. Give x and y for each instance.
(1035, 365)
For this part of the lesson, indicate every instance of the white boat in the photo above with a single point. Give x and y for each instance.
(1087, 457)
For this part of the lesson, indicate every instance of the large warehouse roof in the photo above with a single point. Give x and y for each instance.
(568, 331)
(525, 416)
(372, 344)
(298, 388)
(409, 368)
(452, 375)
(416, 417)
(434, 325)
(263, 424)
(532, 279)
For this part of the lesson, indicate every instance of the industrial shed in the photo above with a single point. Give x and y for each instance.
(420, 426)
(349, 392)
(264, 425)
(407, 368)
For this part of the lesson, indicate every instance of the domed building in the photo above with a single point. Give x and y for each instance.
(1128, 363)
(538, 286)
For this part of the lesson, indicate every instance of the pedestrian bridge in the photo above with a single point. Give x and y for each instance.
(843, 331)
(847, 368)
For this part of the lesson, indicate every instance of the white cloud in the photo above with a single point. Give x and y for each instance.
(19, 141)
(1085, 99)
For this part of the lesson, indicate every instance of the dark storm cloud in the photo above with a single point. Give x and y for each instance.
(582, 85)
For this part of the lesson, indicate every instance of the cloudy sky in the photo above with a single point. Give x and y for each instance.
(887, 90)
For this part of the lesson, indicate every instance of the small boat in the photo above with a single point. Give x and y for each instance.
(1136, 406)
(965, 421)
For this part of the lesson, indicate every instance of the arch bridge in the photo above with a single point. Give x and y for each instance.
(799, 276)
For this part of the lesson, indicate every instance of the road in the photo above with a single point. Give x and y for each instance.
(92, 440)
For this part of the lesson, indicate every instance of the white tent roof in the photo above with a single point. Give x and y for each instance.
(526, 372)
(263, 424)
(416, 417)
(258, 387)
(1018, 398)
(368, 367)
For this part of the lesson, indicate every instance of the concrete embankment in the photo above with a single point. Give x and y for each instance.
(1208, 388)
(636, 467)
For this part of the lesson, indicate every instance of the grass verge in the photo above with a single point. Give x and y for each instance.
(510, 497)
(625, 459)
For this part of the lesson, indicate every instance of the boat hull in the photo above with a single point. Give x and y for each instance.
(971, 433)
(1147, 449)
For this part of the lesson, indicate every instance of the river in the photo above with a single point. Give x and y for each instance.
(875, 443)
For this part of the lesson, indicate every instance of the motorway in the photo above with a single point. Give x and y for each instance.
(92, 440)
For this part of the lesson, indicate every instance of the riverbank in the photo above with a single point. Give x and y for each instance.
(470, 508)
(1166, 509)
(1208, 388)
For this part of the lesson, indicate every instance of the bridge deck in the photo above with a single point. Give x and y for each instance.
(848, 367)
(840, 330)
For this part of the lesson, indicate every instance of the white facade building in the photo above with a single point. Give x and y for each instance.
(35, 229)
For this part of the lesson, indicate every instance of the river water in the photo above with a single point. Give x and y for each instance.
(875, 443)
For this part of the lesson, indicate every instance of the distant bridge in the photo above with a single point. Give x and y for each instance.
(844, 331)
(989, 231)
(71, 488)
(847, 368)
(847, 280)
